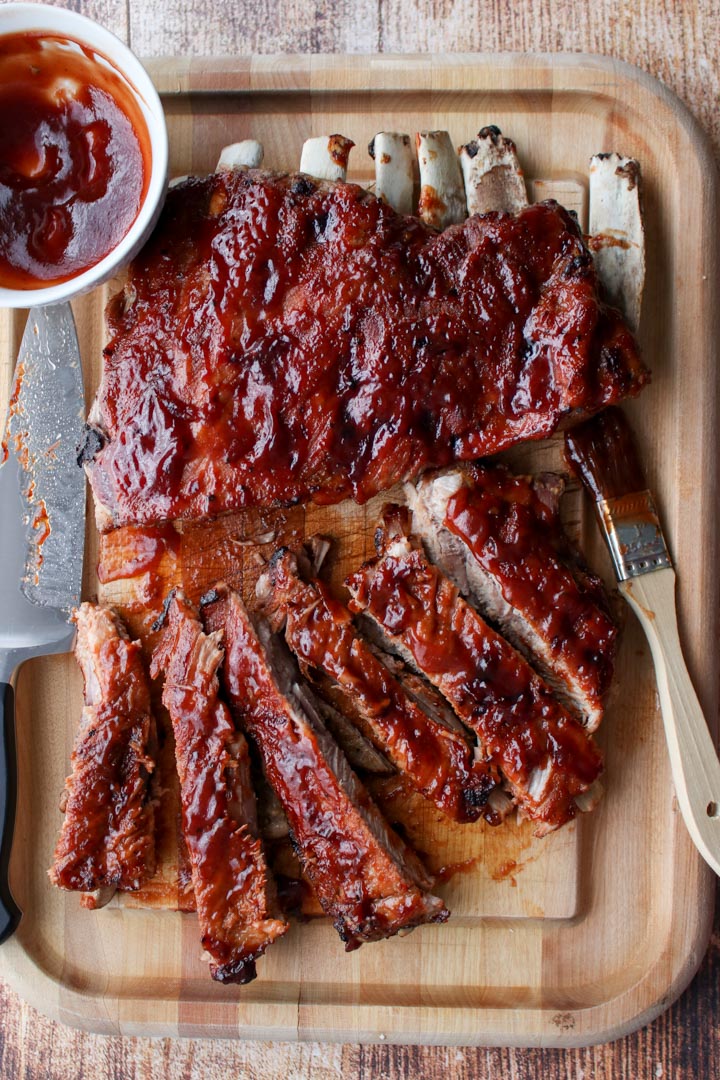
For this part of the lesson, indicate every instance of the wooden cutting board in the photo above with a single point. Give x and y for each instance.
(575, 938)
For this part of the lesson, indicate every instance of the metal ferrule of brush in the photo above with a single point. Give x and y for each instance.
(633, 534)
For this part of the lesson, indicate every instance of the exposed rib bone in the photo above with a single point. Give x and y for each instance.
(617, 233)
(492, 174)
(394, 160)
(326, 157)
(442, 194)
(247, 154)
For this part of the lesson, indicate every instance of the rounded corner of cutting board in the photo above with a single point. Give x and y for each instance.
(50, 996)
(646, 1000)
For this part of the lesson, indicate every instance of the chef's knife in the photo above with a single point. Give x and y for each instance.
(42, 531)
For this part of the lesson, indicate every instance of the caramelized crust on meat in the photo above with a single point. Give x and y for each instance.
(546, 756)
(281, 340)
(234, 892)
(366, 879)
(500, 538)
(438, 761)
(107, 838)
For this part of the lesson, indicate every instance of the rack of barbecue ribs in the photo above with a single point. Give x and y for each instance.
(107, 840)
(282, 339)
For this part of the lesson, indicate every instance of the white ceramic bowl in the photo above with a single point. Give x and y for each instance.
(17, 18)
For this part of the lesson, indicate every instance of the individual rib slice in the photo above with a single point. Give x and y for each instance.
(442, 194)
(359, 751)
(500, 538)
(437, 760)
(492, 174)
(546, 756)
(107, 839)
(617, 231)
(364, 876)
(234, 892)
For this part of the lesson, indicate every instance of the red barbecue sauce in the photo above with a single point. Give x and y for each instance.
(74, 159)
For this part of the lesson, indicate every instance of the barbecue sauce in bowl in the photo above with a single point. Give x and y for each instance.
(74, 159)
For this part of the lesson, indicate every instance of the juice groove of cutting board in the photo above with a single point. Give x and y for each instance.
(595, 929)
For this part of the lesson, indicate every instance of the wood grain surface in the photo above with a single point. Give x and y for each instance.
(678, 42)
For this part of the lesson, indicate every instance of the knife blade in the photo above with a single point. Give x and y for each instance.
(42, 531)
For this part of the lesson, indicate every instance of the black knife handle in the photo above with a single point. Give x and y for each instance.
(9, 911)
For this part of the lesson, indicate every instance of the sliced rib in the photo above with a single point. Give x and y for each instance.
(394, 160)
(617, 231)
(234, 892)
(438, 761)
(326, 157)
(247, 154)
(285, 340)
(500, 538)
(107, 839)
(546, 756)
(366, 879)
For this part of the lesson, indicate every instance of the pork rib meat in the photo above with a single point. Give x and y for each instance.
(500, 538)
(234, 892)
(108, 833)
(282, 340)
(366, 878)
(546, 756)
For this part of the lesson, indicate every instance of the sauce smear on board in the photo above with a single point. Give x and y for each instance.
(74, 159)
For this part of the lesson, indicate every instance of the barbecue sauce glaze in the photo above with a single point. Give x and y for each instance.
(281, 341)
(74, 159)
(516, 536)
(491, 687)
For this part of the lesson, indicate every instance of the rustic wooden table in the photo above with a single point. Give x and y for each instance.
(678, 42)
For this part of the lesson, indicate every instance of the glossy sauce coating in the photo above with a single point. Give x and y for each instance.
(74, 159)
(516, 536)
(233, 890)
(282, 341)
(438, 762)
(521, 726)
(107, 836)
(346, 849)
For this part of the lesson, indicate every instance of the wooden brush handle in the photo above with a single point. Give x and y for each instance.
(694, 760)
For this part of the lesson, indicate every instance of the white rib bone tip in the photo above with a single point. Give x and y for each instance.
(326, 157)
(491, 170)
(178, 180)
(247, 154)
(617, 231)
(394, 159)
(442, 193)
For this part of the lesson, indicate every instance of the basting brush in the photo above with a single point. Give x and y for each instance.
(603, 455)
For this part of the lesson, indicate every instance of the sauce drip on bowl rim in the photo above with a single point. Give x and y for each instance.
(74, 159)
